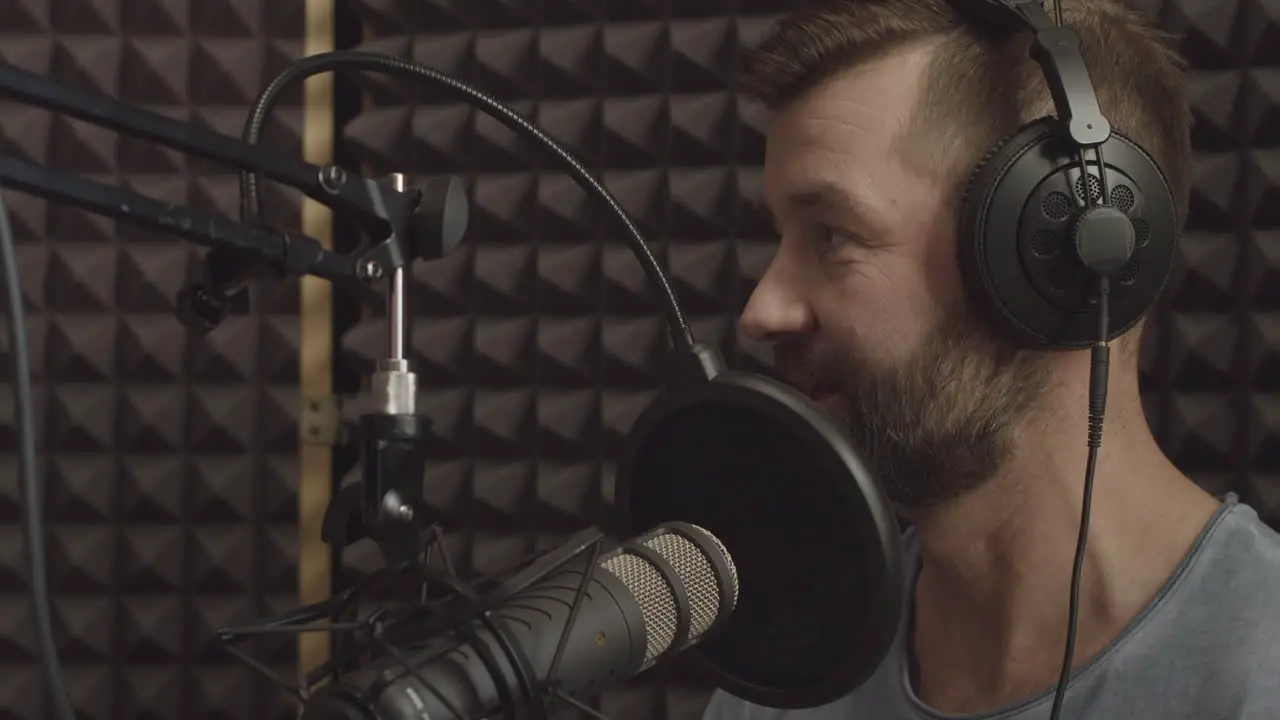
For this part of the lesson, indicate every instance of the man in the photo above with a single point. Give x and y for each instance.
(880, 110)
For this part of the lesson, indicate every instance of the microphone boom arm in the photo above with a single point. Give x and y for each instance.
(374, 204)
(294, 254)
(238, 251)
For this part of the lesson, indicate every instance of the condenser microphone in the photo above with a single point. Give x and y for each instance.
(647, 599)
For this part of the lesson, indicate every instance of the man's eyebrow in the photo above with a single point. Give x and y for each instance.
(829, 195)
(825, 194)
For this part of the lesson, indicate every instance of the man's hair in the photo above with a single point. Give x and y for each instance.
(980, 87)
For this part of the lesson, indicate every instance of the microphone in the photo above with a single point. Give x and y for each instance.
(647, 599)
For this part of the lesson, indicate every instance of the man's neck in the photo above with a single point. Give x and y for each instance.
(991, 602)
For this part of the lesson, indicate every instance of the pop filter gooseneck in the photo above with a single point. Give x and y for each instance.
(815, 540)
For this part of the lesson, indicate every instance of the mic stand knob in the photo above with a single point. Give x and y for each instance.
(199, 309)
(219, 291)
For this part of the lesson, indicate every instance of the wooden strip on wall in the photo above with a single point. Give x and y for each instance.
(315, 486)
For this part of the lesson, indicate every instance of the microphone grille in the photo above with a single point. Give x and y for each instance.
(698, 576)
(694, 572)
(653, 594)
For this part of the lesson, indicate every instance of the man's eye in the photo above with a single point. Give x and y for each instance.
(830, 239)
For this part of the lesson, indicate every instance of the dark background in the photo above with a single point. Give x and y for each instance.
(171, 461)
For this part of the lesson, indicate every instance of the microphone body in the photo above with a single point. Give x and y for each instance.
(649, 598)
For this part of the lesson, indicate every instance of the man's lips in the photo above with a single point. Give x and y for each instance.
(808, 382)
(828, 397)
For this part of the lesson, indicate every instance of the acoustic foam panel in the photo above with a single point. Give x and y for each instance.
(168, 458)
(539, 341)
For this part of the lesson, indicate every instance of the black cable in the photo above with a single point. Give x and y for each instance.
(1099, 364)
(32, 505)
(355, 61)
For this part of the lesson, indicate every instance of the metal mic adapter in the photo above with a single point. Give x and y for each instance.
(648, 599)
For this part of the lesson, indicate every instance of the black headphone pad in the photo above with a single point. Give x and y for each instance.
(974, 208)
(1015, 242)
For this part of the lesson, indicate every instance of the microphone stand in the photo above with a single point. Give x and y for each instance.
(406, 224)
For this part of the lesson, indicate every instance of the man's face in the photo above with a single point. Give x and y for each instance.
(864, 300)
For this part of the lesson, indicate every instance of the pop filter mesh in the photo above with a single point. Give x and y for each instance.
(812, 560)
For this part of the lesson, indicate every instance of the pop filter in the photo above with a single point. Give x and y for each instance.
(815, 541)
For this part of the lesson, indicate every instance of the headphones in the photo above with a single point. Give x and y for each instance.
(1040, 223)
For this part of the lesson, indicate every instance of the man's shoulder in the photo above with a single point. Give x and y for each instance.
(880, 696)
(1221, 632)
(1240, 559)
(1228, 585)
(724, 706)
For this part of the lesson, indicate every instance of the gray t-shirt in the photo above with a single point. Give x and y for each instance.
(1206, 648)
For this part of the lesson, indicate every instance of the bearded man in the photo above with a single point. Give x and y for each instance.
(880, 110)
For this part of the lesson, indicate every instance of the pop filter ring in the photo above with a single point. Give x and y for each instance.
(872, 531)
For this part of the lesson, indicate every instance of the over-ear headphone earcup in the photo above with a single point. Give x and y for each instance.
(1016, 244)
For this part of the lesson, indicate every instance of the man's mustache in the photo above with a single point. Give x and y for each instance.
(798, 363)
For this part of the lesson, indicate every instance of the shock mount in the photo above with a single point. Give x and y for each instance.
(385, 506)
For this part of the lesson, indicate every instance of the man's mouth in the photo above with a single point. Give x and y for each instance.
(823, 397)
(828, 396)
(832, 405)
(804, 380)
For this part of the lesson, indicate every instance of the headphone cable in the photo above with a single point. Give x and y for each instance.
(1099, 364)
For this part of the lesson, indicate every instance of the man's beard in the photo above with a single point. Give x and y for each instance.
(939, 423)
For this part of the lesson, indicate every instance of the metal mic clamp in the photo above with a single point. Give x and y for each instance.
(387, 505)
(395, 436)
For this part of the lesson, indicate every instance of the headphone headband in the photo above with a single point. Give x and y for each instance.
(1015, 15)
(1056, 49)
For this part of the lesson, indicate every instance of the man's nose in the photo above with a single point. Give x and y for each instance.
(777, 306)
